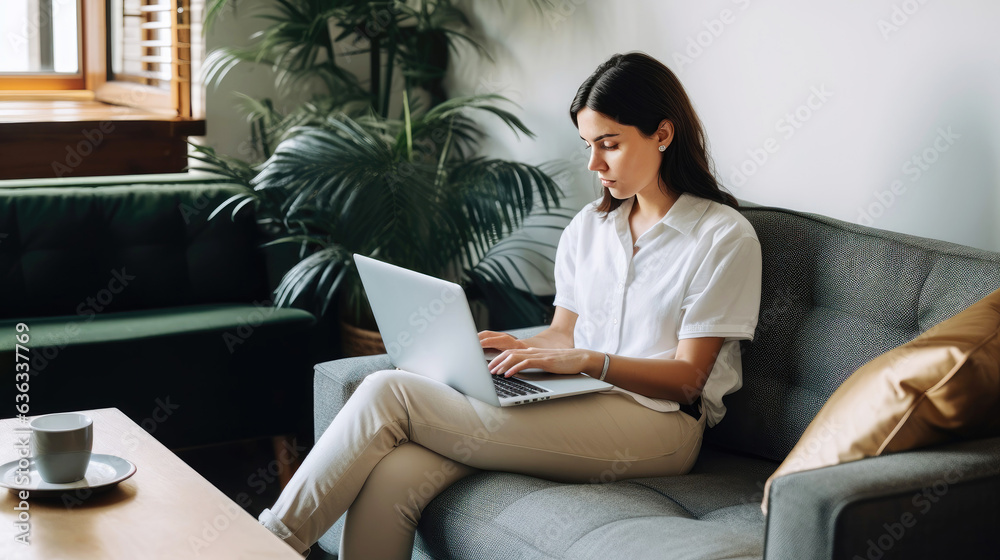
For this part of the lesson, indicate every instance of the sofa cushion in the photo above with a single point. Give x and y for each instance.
(188, 375)
(235, 320)
(943, 385)
(834, 296)
(82, 249)
(711, 513)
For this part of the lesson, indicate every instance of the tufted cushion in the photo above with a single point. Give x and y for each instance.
(711, 513)
(834, 296)
(941, 386)
(83, 250)
(231, 324)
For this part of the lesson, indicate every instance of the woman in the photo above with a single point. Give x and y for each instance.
(655, 285)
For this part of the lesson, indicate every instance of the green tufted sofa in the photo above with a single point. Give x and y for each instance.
(134, 299)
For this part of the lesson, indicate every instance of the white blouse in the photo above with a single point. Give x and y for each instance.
(697, 273)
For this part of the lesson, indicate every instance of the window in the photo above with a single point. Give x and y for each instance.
(84, 44)
(150, 47)
(125, 67)
(144, 50)
(41, 43)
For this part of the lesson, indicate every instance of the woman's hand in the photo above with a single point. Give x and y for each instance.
(552, 360)
(499, 340)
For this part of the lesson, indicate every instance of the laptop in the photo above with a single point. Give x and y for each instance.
(427, 329)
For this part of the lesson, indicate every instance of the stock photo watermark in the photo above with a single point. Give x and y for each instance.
(22, 39)
(246, 326)
(913, 169)
(788, 126)
(490, 86)
(195, 208)
(214, 526)
(95, 136)
(560, 521)
(380, 20)
(558, 12)
(435, 481)
(695, 45)
(162, 410)
(923, 501)
(808, 448)
(87, 310)
(470, 443)
(899, 16)
(426, 151)
(420, 320)
(75, 153)
(22, 438)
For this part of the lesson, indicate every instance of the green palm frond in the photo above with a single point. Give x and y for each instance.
(353, 184)
(296, 44)
(237, 170)
(485, 102)
(214, 9)
(220, 61)
(499, 277)
(500, 194)
(352, 176)
(339, 176)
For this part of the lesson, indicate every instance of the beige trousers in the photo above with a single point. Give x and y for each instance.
(402, 438)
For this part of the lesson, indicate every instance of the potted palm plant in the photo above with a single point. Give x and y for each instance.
(342, 176)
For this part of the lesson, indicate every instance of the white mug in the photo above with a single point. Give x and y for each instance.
(60, 446)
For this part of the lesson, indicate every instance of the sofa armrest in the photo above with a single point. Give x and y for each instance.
(334, 382)
(337, 380)
(939, 502)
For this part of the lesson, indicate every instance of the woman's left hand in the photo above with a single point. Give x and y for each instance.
(552, 360)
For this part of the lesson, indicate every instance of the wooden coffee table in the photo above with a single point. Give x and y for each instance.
(166, 510)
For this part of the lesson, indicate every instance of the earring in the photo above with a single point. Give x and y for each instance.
(663, 148)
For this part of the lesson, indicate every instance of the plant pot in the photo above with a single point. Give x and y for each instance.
(355, 341)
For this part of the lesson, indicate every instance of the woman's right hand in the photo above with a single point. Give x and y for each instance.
(500, 341)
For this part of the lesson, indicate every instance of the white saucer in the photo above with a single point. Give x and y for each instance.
(103, 472)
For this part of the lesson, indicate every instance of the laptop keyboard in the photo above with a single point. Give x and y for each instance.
(514, 387)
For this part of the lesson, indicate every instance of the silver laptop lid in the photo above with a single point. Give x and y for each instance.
(427, 327)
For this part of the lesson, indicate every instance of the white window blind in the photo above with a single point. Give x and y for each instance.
(154, 47)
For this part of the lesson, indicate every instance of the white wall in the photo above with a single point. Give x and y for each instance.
(227, 128)
(894, 80)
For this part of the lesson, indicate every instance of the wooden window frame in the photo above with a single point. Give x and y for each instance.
(49, 132)
(54, 82)
(92, 79)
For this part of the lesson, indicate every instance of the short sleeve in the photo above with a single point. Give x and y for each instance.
(565, 269)
(723, 298)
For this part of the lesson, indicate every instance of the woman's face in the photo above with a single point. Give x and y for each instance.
(626, 161)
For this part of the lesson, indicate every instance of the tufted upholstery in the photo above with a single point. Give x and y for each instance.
(157, 234)
(134, 298)
(712, 512)
(834, 296)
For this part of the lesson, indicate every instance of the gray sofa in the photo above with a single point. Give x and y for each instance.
(835, 295)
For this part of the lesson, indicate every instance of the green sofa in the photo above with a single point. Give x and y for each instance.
(134, 299)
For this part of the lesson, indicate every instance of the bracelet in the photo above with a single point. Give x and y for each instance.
(607, 362)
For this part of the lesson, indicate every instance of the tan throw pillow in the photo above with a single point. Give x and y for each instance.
(943, 385)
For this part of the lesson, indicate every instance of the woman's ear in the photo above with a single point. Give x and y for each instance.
(665, 133)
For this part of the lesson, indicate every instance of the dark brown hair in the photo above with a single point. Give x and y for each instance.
(637, 90)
